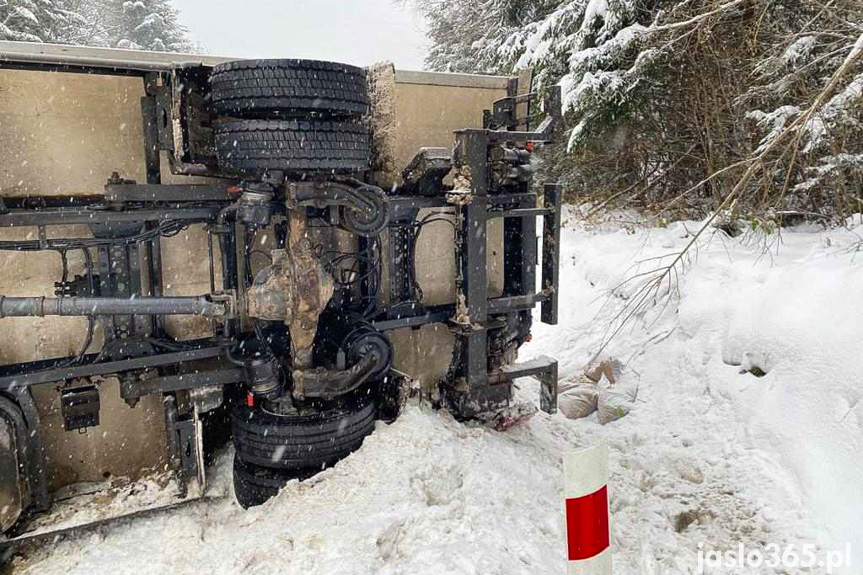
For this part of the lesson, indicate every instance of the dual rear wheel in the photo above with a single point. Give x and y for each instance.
(273, 449)
(290, 115)
(301, 117)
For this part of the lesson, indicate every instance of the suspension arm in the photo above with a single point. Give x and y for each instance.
(327, 384)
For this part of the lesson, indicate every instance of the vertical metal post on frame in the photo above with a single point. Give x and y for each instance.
(473, 260)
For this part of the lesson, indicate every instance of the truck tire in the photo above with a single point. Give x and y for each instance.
(252, 147)
(288, 88)
(301, 442)
(255, 485)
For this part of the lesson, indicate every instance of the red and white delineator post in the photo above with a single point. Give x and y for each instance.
(588, 528)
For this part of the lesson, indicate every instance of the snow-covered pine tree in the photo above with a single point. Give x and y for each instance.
(831, 141)
(147, 25)
(58, 21)
(661, 94)
(90, 27)
(473, 36)
(134, 24)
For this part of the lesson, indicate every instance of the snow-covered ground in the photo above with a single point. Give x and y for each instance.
(710, 454)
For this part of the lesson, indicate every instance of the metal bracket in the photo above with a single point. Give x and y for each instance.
(553, 199)
(474, 383)
(187, 443)
(80, 407)
(425, 173)
(545, 370)
(133, 389)
(192, 131)
(472, 257)
(505, 112)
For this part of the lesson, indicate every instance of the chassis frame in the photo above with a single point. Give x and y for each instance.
(170, 111)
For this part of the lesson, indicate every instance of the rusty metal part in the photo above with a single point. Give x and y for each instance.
(361, 354)
(295, 289)
(364, 208)
(271, 296)
(425, 173)
(207, 398)
(314, 288)
(326, 384)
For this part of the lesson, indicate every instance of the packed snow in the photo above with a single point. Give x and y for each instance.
(746, 428)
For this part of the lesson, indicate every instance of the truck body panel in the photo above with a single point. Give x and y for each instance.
(71, 118)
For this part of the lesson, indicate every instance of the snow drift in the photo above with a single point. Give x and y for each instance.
(746, 429)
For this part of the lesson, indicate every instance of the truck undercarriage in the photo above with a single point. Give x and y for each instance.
(312, 268)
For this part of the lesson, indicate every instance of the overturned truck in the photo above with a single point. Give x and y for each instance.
(273, 252)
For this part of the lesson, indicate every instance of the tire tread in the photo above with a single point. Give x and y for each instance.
(261, 88)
